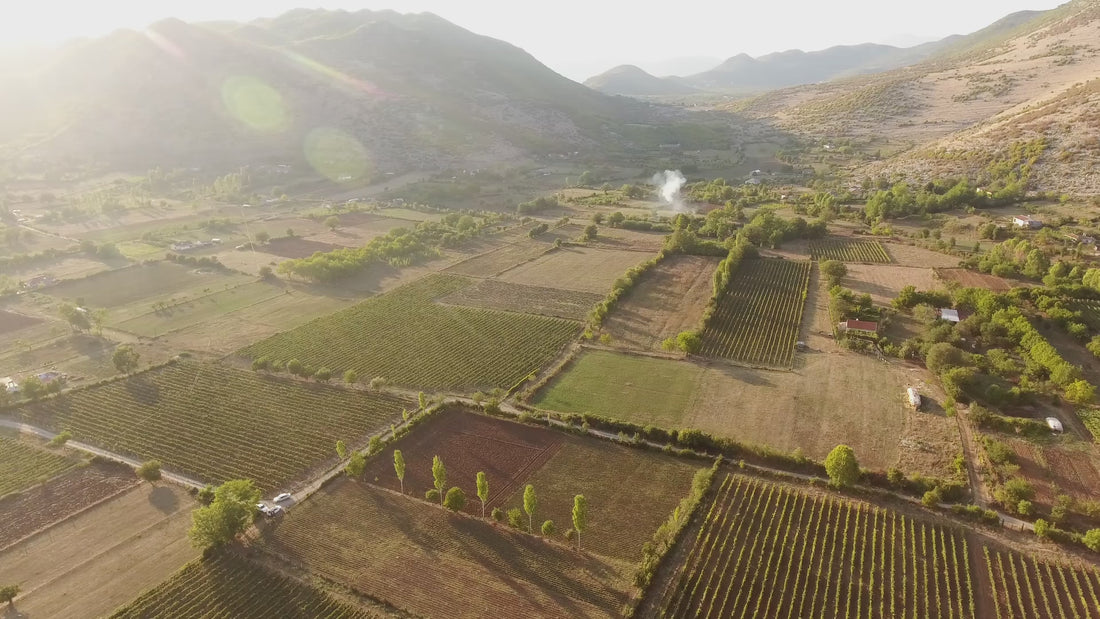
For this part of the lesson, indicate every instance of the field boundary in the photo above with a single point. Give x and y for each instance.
(78, 512)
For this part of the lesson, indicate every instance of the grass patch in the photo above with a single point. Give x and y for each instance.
(194, 311)
(22, 466)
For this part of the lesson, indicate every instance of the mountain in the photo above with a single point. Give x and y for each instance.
(370, 90)
(1032, 76)
(632, 81)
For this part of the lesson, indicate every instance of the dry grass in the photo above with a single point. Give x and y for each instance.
(583, 269)
(974, 279)
(909, 256)
(884, 282)
(669, 299)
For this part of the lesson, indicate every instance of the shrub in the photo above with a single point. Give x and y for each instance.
(842, 466)
(516, 519)
(432, 495)
(63, 437)
(548, 528)
(570, 535)
(1013, 491)
(1092, 539)
(932, 498)
(1042, 528)
(498, 514)
(455, 499)
(1024, 508)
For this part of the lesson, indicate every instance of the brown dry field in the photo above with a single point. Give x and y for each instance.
(295, 247)
(884, 281)
(1066, 467)
(499, 260)
(974, 279)
(617, 238)
(670, 298)
(909, 256)
(66, 268)
(357, 229)
(832, 396)
(94, 562)
(10, 322)
(576, 268)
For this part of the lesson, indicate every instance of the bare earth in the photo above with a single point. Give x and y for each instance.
(576, 268)
(909, 256)
(884, 281)
(669, 299)
(103, 558)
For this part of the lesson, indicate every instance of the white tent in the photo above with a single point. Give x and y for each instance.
(1055, 424)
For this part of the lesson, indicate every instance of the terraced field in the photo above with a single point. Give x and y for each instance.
(23, 465)
(410, 340)
(230, 587)
(216, 423)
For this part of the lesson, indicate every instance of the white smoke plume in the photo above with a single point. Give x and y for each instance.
(668, 185)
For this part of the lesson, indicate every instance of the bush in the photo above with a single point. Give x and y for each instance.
(548, 528)
(1042, 528)
(516, 519)
(1024, 508)
(932, 498)
(1092, 540)
(455, 499)
(842, 466)
(498, 514)
(432, 495)
(1013, 491)
(62, 437)
(570, 535)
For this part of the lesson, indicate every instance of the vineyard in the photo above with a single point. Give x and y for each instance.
(765, 551)
(217, 423)
(22, 465)
(1024, 587)
(410, 340)
(849, 250)
(231, 587)
(493, 294)
(758, 319)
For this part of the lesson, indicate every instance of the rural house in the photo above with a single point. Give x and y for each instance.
(1026, 221)
(859, 327)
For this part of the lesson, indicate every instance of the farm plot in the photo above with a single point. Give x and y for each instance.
(884, 282)
(406, 338)
(493, 294)
(294, 247)
(499, 260)
(645, 390)
(200, 309)
(150, 282)
(32, 510)
(584, 269)
(11, 322)
(432, 563)
(217, 423)
(973, 279)
(230, 587)
(670, 298)
(23, 465)
(1025, 587)
(764, 550)
(910, 256)
(1062, 467)
(758, 319)
(849, 250)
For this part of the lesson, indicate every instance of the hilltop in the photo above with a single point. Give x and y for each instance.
(631, 80)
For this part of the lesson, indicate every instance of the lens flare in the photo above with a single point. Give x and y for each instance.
(335, 75)
(337, 155)
(255, 104)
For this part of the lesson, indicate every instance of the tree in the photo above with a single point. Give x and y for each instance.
(8, 593)
(689, 341)
(548, 528)
(433, 495)
(374, 445)
(341, 449)
(498, 514)
(32, 388)
(230, 513)
(944, 356)
(350, 377)
(1092, 539)
(597, 218)
(356, 465)
(77, 317)
(399, 468)
(1080, 392)
(332, 222)
(1042, 528)
(455, 499)
(149, 471)
(125, 358)
(530, 503)
(842, 467)
(580, 517)
(482, 490)
(322, 374)
(262, 237)
(62, 437)
(439, 474)
(294, 367)
(515, 518)
(590, 232)
(266, 272)
(833, 269)
(422, 400)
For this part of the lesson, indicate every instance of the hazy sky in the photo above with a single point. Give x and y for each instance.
(575, 37)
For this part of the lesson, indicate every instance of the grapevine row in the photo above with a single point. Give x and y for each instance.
(1026, 587)
(849, 250)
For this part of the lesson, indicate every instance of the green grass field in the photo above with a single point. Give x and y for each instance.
(408, 339)
(639, 389)
(216, 423)
(22, 465)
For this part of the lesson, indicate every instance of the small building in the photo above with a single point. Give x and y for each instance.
(1055, 424)
(48, 377)
(1026, 221)
(913, 396)
(948, 314)
(859, 327)
(9, 384)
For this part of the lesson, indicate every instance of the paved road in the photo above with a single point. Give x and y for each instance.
(96, 451)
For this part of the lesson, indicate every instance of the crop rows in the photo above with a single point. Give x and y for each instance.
(231, 587)
(495, 294)
(849, 250)
(22, 465)
(217, 423)
(758, 319)
(1024, 588)
(407, 338)
(765, 551)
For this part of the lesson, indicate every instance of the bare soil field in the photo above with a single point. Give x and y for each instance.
(499, 260)
(909, 256)
(576, 268)
(295, 247)
(433, 563)
(10, 322)
(357, 229)
(494, 294)
(71, 267)
(974, 279)
(44, 505)
(102, 558)
(1064, 467)
(618, 238)
(884, 282)
(670, 298)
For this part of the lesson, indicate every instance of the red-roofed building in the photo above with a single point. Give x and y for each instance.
(859, 327)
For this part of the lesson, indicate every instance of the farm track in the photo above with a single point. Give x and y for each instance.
(758, 320)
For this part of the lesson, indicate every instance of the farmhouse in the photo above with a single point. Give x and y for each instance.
(859, 327)
(1026, 221)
